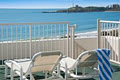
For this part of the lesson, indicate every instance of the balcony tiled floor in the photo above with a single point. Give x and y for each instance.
(116, 74)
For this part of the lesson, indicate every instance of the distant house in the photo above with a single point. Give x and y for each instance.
(77, 6)
(115, 6)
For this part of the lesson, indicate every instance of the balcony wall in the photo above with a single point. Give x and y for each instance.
(12, 50)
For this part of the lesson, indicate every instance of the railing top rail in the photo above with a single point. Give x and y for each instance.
(33, 23)
(115, 22)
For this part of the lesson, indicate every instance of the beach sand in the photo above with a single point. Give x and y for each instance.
(87, 34)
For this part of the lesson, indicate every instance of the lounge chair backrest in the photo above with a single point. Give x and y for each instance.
(45, 61)
(87, 59)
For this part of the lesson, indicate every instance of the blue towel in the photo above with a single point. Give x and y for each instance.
(105, 70)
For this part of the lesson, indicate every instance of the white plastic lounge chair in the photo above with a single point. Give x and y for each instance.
(87, 59)
(42, 61)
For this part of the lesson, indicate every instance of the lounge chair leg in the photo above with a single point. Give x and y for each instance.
(12, 72)
(76, 72)
(66, 72)
(31, 76)
(21, 75)
(46, 75)
(6, 71)
(58, 69)
(83, 71)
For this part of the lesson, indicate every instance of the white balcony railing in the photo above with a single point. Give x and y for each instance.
(109, 38)
(23, 40)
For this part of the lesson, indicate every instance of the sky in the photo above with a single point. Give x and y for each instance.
(38, 4)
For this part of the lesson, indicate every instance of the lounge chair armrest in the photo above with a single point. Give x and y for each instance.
(14, 62)
(64, 56)
(63, 63)
(66, 69)
(16, 67)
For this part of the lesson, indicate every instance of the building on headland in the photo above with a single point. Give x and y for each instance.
(76, 6)
(115, 6)
(109, 6)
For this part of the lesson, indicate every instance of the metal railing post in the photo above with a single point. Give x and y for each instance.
(67, 39)
(30, 34)
(99, 34)
(70, 53)
(73, 38)
(119, 29)
(119, 42)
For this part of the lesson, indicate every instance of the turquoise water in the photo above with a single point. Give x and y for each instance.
(85, 21)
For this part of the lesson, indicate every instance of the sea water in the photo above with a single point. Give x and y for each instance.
(85, 21)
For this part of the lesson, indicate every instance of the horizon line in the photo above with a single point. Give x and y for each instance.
(35, 8)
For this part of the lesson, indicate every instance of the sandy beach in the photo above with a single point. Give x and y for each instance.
(87, 34)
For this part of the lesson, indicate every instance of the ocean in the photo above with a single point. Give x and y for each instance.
(85, 21)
